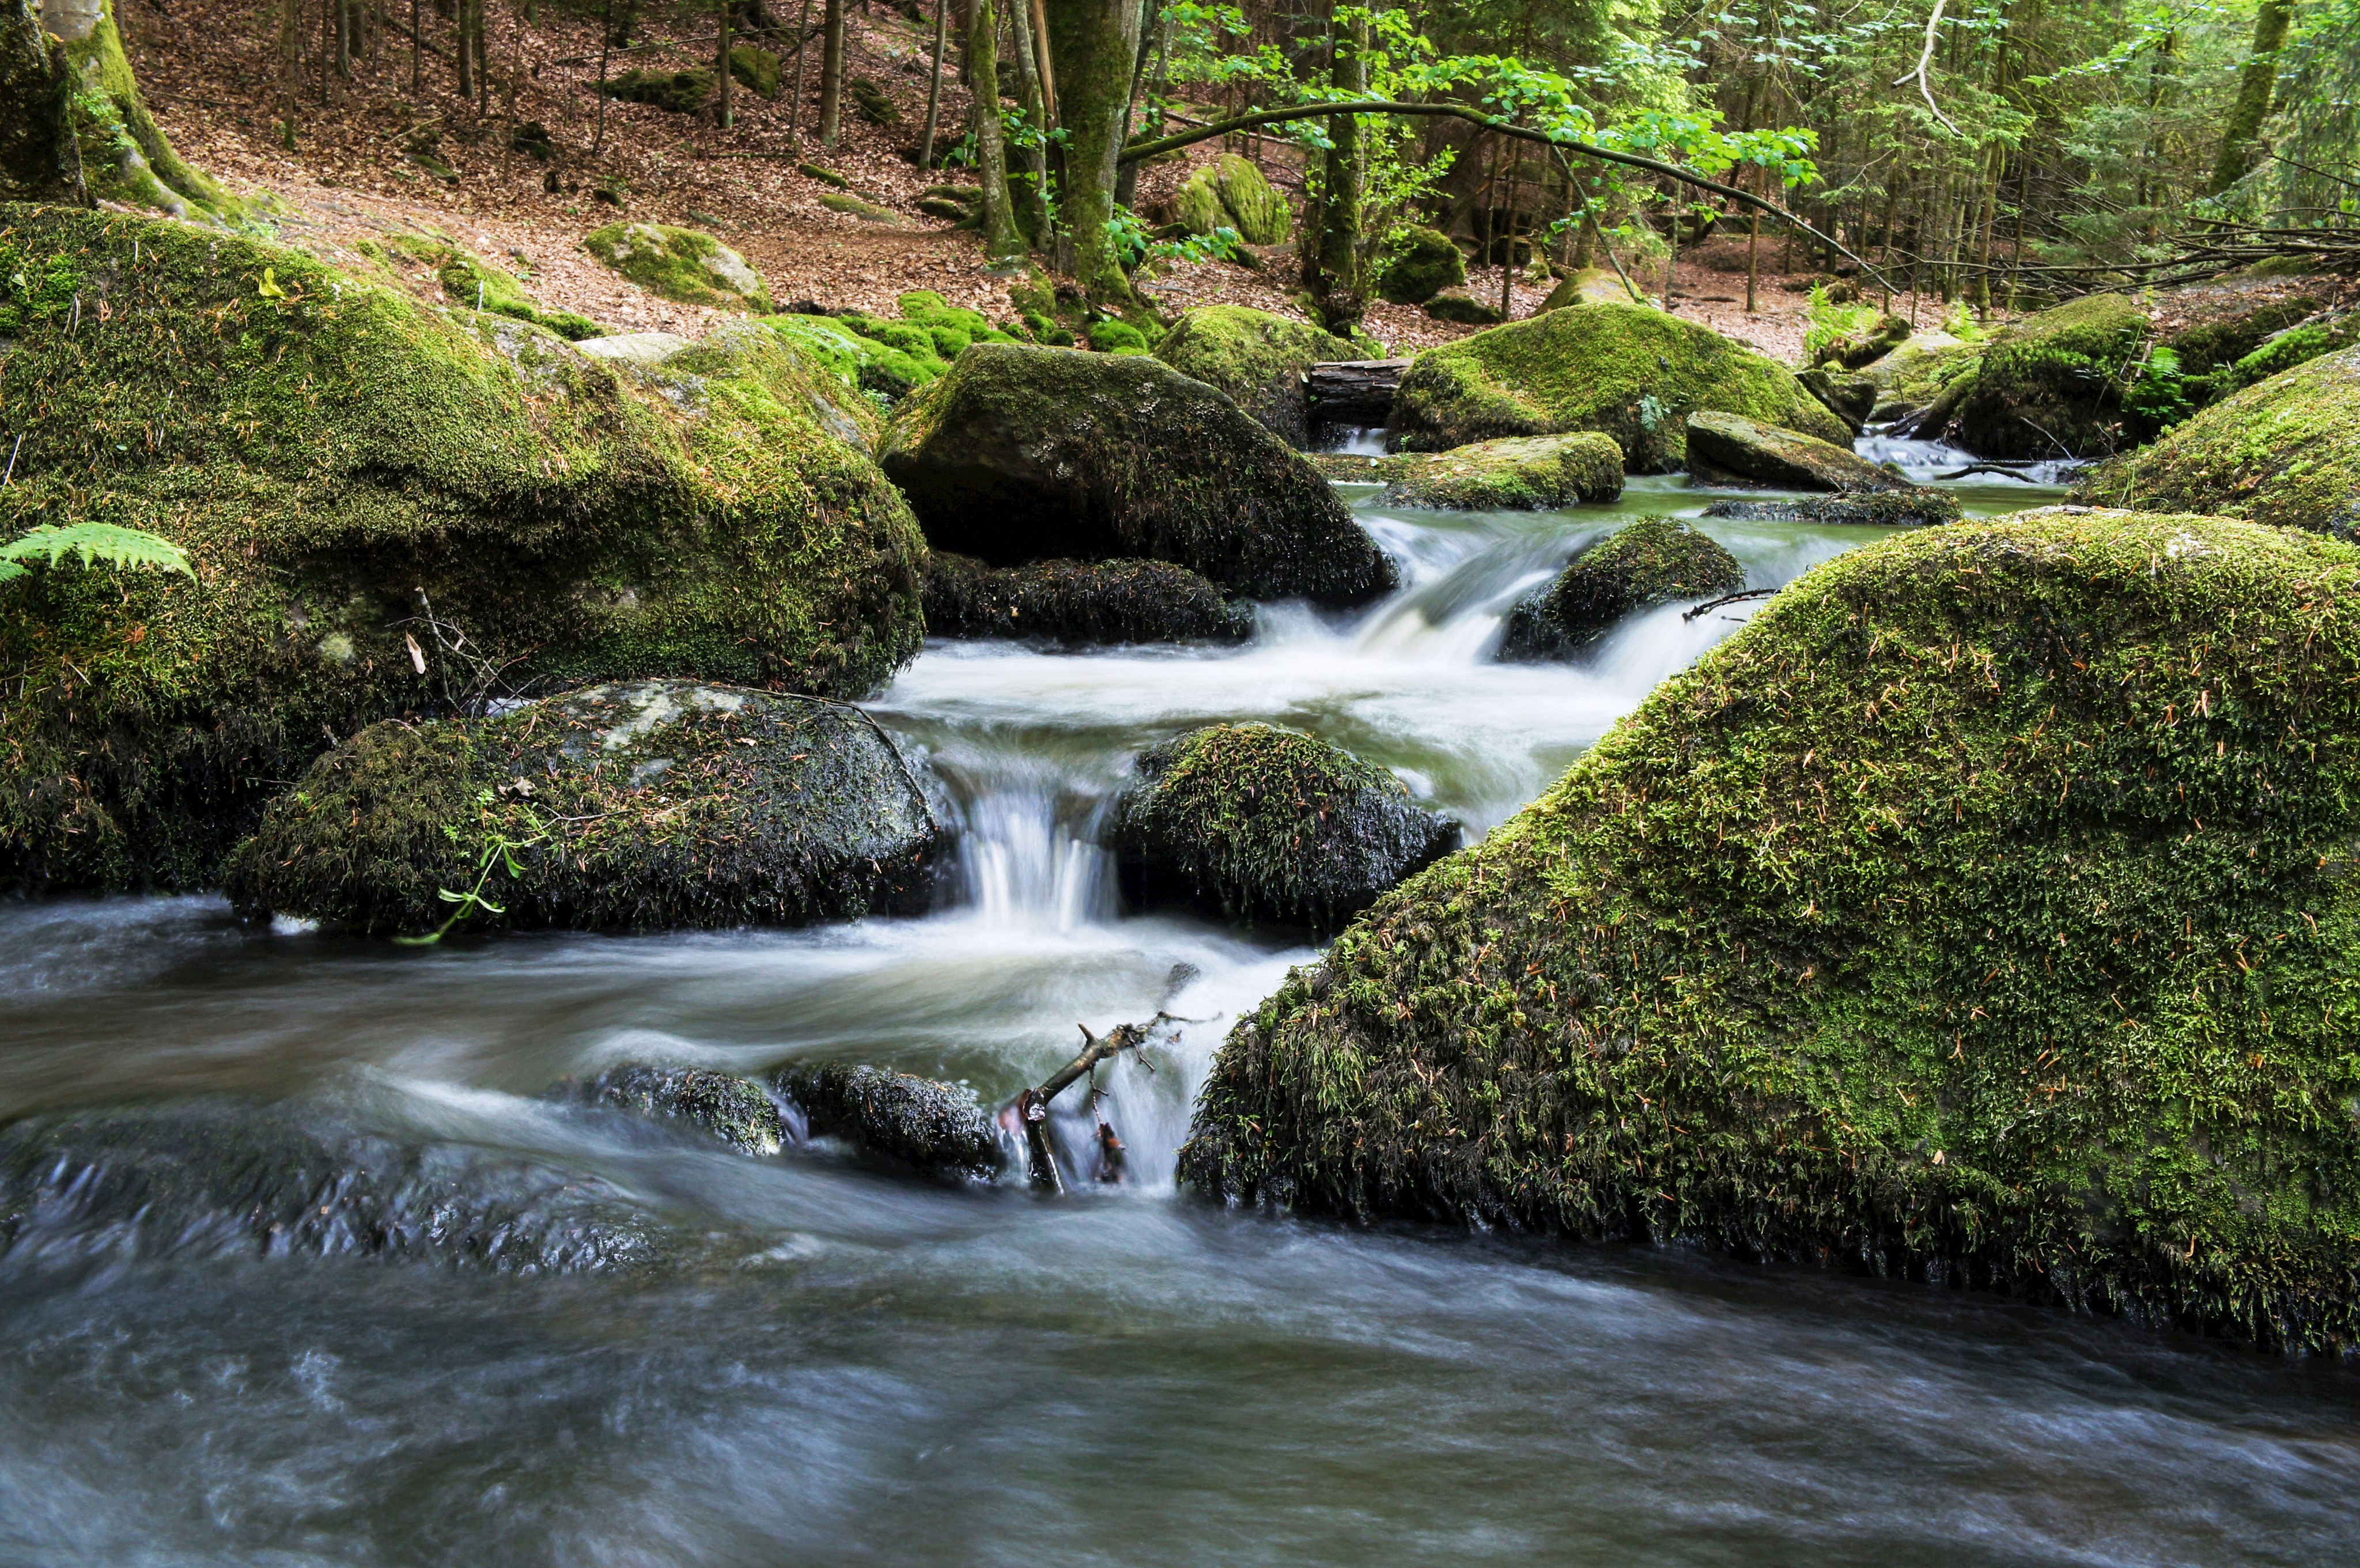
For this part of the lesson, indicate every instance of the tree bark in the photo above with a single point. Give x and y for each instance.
(40, 159)
(1035, 199)
(1337, 285)
(1000, 239)
(803, 55)
(831, 72)
(1094, 44)
(721, 68)
(2253, 91)
(935, 86)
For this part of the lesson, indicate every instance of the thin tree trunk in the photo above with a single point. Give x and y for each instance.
(2253, 91)
(465, 63)
(1000, 240)
(417, 47)
(605, 43)
(1035, 150)
(831, 72)
(935, 86)
(1753, 249)
(1126, 174)
(803, 51)
(1338, 287)
(1043, 63)
(721, 68)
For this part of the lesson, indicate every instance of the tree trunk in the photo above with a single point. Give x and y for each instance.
(935, 86)
(1000, 240)
(831, 72)
(721, 68)
(1035, 199)
(802, 53)
(1094, 43)
(1338, 284)
(466, 61)
(2253, 105)
(40, 159)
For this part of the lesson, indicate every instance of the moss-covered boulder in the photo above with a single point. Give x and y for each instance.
(2050, 385)
(2286, 451)
(1627, 371)
(684, 265)
(1418, 264)
(1462, 309)
(1909, 508)
(919, 1122)
(1656, 561)
(1264, 824)
(2229, 335)
(2300, 344)
(1921, 371)
(1587, 287)
(736, 1111)
(1258, 359)
(1851, 399)
(1982, 911)
(1232, 193)
(1080, 603)
(1733, 449)
(1513, 474)
(755, 69)
(1024, 455)
(390, 508)
(647, 806)
(676, 91)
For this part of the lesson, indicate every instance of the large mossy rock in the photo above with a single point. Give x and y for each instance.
(1023, 454)
(1258, 359)
(1081, 602)
(1264, 824)
(2285, 452)
(1918, 373)
(1724, 448)
(1232, 193)
(1984, 911)
(1656, 561)
(360, 482)
(2230, 334)
(2050, 385)
(684, 265)
(1514, 474)
(648, 806)
(1418, 264)
(1626, 370)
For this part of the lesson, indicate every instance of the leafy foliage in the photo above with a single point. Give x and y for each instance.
(108, 544)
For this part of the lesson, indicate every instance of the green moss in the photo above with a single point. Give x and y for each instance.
(1420, 263)
(1463, 308)
(125, 156)
(1656, 561)
(679, 92)
(755, 69)
(735, 1110)
(1728, 447)
(1262, 823)
(2297, 345)
(325, 449)
(921, 1123)
(1117, 337)
(2225, 340)
(872, 103)
(859, 207)
(1072, 601)
(1626, 370)
(1862, 337)
(1257, 358)
(1513, 474)
(2286, 451)
(481, 285)
(1982, 911)
(1232, 193)
(1921, 369)
(2051, 384)
(647, 806)
(681, 264)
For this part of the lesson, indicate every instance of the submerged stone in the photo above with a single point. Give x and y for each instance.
(1626, 370)
(1073, 602)
(1914, 508)
(1656, 561)
(1262, 823)
(1024, 455)
(1258, 359)
(734, 1110)
(1513, 474)
(928, 1125)
(655, 805)
(1981, 911)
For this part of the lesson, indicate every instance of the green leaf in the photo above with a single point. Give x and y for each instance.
(96, 543)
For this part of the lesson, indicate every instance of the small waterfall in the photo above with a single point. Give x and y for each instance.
(1029, 854)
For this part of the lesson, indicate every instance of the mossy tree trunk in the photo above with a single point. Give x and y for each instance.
(2253, 105)
(1094, 44)
(1036, 222)
(1000, 240)
(831, 73)
(125, 157)
(39, 158)
(1338, 284)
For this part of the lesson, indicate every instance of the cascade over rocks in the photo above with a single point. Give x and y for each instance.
(1729, 448)
(1023, 454)
(1656, 561)
(650, 806)
(1258, 359)
(1631, 372)
(1982, 911)
(1073, 602)
(923, 1123)
(2285, 452)
(1513, 474)
(361, 483)
(1262, 823)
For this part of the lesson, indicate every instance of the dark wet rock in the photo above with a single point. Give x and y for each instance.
(1656, 561)
(653, 805)
(1260, 822)
(1078, 602)
(1851, 399)
(1728, 448)
(1514, 474)
(223, 1178)
(1023, 454)
(925, 1124)
(1258, 359)
(1915, 509)
(734, 1110)
(2050, 385)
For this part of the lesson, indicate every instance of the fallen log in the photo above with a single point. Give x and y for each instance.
(1353, 392)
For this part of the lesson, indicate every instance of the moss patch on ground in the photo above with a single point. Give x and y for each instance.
(1260, 822)
(1513, 474)
(1626, 370)
(468, 279)
(1656, 561)
(1258, 359)
(1075, 601)
(2052, 384)
(360, 482)
(1982, 911)
(892, 357)
(646, 806)
(2285, 452)
(684, 265)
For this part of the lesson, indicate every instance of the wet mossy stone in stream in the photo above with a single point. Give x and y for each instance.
(734, 1110)
(1729, 448)
(339, 462)
(1258, 359)
(2050, 385)
(1080, 603)
(1656, 561)
(2285, 452)
(922, 1123)
(1263, 823)
(686, 264)
(1514, 474)
(1024, 455)
(648, 806)
(1851, 399)
(1984, 911)
(1418, 264)
(223, 1178)
(1916, 507)
(1631, 372)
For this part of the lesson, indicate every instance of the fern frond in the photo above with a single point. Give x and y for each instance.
(96, 543)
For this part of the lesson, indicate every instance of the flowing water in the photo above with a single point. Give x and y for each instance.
(850, 1367)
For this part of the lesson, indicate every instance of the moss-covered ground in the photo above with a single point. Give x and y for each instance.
(1982, 911)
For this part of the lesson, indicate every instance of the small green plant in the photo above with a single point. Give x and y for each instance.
(96, 544)
(498, 852)
(1832, 323)
(2160, 395)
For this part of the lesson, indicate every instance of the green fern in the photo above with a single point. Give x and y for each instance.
(96, 543)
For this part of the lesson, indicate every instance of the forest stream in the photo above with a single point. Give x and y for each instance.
(851, 1366)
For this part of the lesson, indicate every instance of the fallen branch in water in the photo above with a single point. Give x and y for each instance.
(1728, 599)
(1031, 1106)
